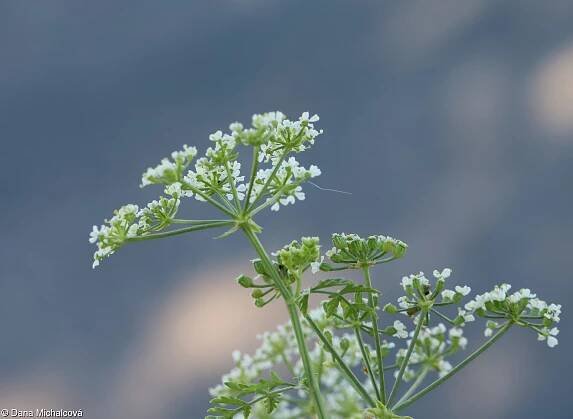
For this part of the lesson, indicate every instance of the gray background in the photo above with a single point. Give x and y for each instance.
(450, 122)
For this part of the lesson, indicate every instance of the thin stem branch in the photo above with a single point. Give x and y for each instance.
(182, 221)
(377, 343)
(419, 380)
(268, 181)
(252, 178)
(456, 369)
(398, 381)
(345, 369)
(294, 317)
(443, 316)
(212, 201)
(231, 182)
(366, 358)
(177, 232)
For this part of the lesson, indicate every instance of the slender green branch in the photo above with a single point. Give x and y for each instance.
(342, 365)
(180, 231)
(419, 380)
(377, 343)
(456, 369)
(293, 313)
(366, 358)
(252, 178)
(223, 199)
(443, 316)
(230, 181)
(268, 181)
(287, 363)
(182, 221)
(211, 201)
(258, 399)
(404, 364)
(274, 199)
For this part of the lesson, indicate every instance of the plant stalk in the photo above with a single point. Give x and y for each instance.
(379, 359)
(294, 318)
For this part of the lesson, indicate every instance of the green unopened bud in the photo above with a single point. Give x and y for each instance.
(491, 324)
(245, 281)
(390, 330)
(257, 293)
(259, 267)
(344, 344)
(390, 308)
(259, 302)
(399, 249)
(338, 241)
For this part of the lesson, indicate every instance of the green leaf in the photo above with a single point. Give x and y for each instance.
(331, 282)
(303, 303)
(227, 400)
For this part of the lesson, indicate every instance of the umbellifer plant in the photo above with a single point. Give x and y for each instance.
(347, 358)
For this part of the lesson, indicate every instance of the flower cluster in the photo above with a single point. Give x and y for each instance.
(169, 170)
(297, 257)
(130, 222)
(353, 251)
(420, 292)
(278, 352)
(283, 182)
(432, 347)
(113, 234)
(521, 307)
(276, 178)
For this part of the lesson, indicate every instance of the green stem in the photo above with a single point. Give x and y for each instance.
(254, 167)
(398, 381)
(366, 358)
(212, 201)
(443, 316)
(197, 227)
(288, 364)
(231, 181)
(345, 369)
(456, 369)
(294, 318)
(181, 221)
(268, 182)
(258, 399)
(372, 304)
(415, 384)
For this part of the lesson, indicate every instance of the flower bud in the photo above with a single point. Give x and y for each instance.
(390, 308)
(245, 281)
(257, 293)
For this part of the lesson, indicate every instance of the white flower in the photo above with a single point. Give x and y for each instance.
(465, 290)
(401, 331)
(305, 117)
(448, 295)
(445, 274)
(407, 281)
(95, 234)
(314, 171)
(549, 335)
(315, 266)
(467, 317)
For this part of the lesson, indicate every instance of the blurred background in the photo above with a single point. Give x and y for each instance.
(451, 122)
